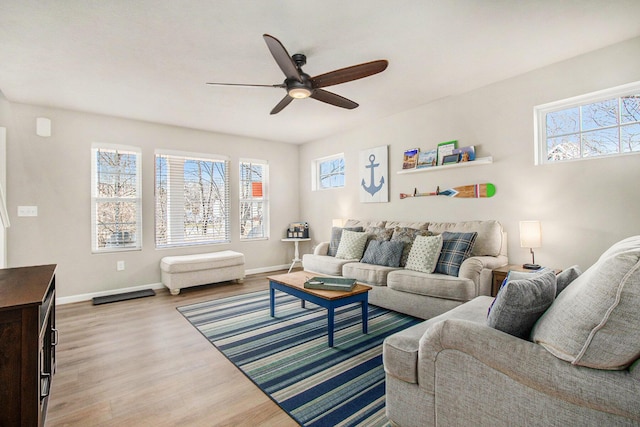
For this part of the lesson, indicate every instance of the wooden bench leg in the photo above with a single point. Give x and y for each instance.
(174, 291)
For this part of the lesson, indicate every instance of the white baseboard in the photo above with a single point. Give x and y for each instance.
(90, 296)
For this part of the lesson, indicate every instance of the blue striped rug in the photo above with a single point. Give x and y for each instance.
(288, 357)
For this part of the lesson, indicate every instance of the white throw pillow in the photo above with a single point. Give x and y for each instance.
(424, 253)
(351, 245)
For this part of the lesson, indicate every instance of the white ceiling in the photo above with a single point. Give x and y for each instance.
(150, 59)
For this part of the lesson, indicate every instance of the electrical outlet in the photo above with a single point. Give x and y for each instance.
(27, 211)
(120, 265)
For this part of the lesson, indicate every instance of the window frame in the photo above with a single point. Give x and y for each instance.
(316, 179)
(264, 200)
(183, 156)
(96, 199)
(540, 126)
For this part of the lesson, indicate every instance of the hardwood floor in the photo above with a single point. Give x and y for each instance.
(140, 363)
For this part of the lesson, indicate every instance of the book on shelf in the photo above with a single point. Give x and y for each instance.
(330, 284)
(446, 149)
(427, 159)
(467, 154)
(410, 158)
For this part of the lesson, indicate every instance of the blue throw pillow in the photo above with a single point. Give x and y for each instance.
(383, 253)
(456, 247)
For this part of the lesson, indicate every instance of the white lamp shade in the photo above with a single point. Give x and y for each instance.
(530, 234)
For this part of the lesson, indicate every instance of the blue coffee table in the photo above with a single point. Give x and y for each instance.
(293, 284)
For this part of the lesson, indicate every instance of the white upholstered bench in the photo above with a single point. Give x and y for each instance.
(200, 269)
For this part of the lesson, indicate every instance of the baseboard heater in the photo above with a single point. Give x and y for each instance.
(123, 296)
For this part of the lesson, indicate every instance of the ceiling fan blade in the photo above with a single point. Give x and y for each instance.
(333, 99)
(282, 57)
(348, 74)
(283, 103)
(245, 85)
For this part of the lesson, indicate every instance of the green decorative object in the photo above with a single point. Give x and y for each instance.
(473, 191)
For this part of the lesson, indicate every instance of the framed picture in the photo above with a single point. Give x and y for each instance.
(467, 154)
(373, 165)
(450, 158)
(445, 149)
(427, 159)
(410, 158)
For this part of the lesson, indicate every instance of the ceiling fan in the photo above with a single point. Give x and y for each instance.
(300, 85)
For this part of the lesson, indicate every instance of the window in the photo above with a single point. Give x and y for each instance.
(116, 201)
(254, 204)
(192, 199)
(600, 124)
(328, 172)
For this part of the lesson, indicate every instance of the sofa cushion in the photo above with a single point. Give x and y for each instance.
(432, 285)
(418, 225)
(351, 244)
(400, 350)
(424, 253)
(567, 276)
(521, 302)
(383, 253)
(407, 236)
(364, 223)
(488, 242)
(336, 235)
(456, 247)
(371, 274)
(324, 264)
(595, 321)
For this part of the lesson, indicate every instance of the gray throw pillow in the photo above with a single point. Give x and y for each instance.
(521, 302)
(383, 253)
(566, 277)
(336, 235)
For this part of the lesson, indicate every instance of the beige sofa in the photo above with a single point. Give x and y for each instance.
(423, 295)
(578, 367)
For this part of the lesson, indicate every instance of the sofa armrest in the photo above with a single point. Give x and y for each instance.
(477, 268)
(321, 249)
(528, 364)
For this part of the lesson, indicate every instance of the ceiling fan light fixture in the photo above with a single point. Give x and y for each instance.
(299, 92)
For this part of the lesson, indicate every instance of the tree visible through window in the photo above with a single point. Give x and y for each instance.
(253, 199)
(116, 199)
(192, 200)
(329, 172)
(600, 126)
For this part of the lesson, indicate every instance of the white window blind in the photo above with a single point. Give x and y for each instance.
(116, 198)
(254, 201)
(192, 199)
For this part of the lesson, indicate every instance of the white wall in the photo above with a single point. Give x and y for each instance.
(54, 174)
(584, 206)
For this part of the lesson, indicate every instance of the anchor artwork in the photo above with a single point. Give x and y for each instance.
(374, 175)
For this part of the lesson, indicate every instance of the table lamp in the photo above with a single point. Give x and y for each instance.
(530, 235)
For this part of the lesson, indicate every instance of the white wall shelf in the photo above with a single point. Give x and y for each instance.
(477, 162)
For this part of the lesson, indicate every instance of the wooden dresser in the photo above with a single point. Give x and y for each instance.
(27, 343)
